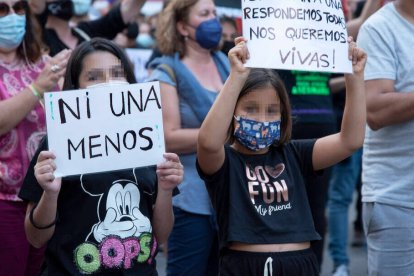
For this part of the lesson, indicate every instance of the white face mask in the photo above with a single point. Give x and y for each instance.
(108, 84)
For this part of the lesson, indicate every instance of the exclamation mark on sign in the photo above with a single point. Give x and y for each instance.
(158, 136)
(51, 106)
(333, 59)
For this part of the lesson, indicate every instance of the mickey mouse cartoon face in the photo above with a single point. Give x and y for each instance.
(123, 217)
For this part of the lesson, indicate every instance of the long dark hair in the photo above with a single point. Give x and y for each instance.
(263, 78)
(75, 63)
(31, 46)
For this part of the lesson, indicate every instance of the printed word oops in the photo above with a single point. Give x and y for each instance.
(114, 252)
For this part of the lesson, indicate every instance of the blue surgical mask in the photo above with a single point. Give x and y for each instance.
(208, 33)
(12, 30)
(145, 40)
(81, 7)
(256, 135)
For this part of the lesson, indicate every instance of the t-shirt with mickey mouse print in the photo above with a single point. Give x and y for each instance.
(104, 222)
(262, 199)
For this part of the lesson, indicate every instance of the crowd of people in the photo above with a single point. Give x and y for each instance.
(255, 158)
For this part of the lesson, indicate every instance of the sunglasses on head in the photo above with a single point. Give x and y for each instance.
(20, 8)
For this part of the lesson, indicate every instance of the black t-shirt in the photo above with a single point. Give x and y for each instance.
(310, 96)
(261, 199)
(104, 222)
(107, 26)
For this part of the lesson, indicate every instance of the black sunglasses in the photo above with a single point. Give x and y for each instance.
(20, 8)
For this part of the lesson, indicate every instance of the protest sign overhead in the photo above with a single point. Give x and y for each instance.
(305, 35)
(107, 128)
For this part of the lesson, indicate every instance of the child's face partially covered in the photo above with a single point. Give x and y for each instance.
(262, 105)
(101, 67)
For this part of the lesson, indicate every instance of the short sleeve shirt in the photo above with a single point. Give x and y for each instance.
(104, 222)
(261, 199)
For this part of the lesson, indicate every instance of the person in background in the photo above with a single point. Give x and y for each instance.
(105, 223)
(229, 33)
(25, 74)
(58, 34)
(191, 72)
(347, 173)
(145, 39)
(387, 162)
(255, 173)
(81, 10)
(127, 38)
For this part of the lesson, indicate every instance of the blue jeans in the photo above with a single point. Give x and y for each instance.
(193, 245)
(345, 176)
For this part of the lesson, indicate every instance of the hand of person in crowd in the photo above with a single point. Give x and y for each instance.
(358, 57)
(170, 173)
(53, 71)
(44, 173)
(238, 56)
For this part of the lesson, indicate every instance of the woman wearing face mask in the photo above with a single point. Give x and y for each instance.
(192, 73)
(24, 77)
(58, 34)
(105, 223)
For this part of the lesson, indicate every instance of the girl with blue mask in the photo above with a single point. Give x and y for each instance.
(255, 174)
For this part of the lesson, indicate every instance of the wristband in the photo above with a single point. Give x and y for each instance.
(37, 226)
(35, 92)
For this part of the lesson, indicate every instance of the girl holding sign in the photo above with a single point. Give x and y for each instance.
(106, 223)
(256, 182)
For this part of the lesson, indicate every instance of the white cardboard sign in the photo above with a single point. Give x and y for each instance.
(306, 35)
(139, 57)
(105, 128)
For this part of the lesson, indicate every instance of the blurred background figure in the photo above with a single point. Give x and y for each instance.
(346, 175)
(25, 74)
(145, 38)
(59, 34)
(387, 174)
(230, 32)
(127, 38)
(191, 72)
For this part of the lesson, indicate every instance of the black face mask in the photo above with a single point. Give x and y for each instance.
(227, 46)
(61, 8)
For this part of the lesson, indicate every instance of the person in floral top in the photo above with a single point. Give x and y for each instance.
(25, 74)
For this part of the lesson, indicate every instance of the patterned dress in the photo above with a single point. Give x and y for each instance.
(18, 145)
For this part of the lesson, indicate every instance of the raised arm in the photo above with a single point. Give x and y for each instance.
(130, 9)
(16, 108)
(332, 149)
(41, 217)
(213, 132)
(170, 174)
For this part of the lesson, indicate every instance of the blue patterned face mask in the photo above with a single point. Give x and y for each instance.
(256, 135)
